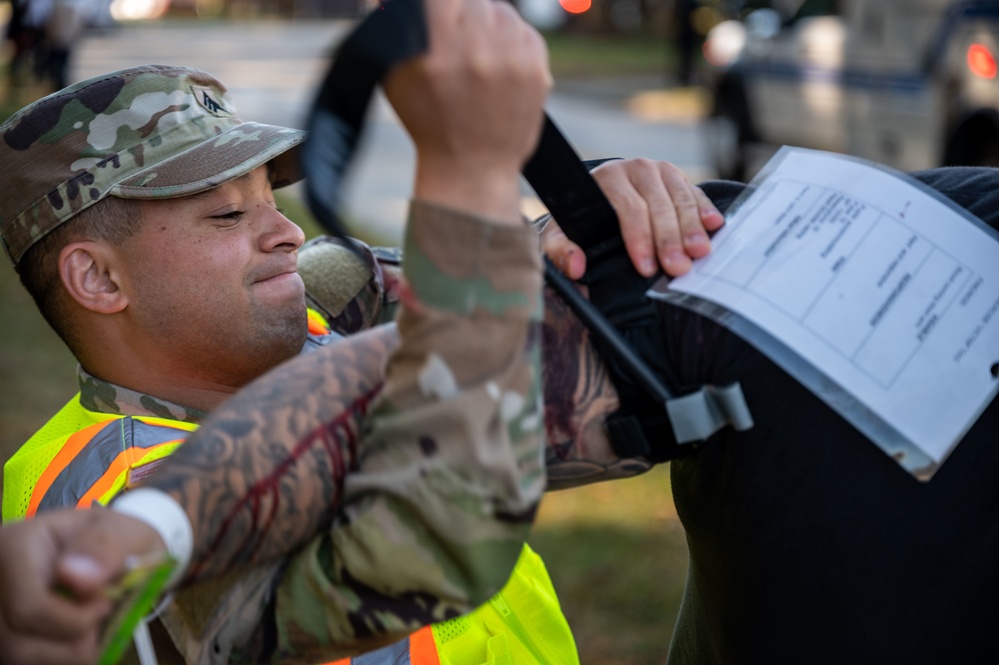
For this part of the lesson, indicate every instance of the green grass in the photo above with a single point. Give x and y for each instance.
(607, 55)
(37, 372)
(617, 556)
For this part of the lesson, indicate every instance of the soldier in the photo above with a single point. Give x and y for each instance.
(174, 283)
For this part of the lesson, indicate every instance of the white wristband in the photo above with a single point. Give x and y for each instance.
(160, 511)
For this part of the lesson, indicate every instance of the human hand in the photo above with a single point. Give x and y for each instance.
(55, 571)
(664, 218)
(473, 104)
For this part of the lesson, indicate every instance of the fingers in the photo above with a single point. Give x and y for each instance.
(711, 217)
(441, 14)
(478, 91)
(41, 621)
(664, 218)
(628, 186)
(97, 553)
(679, 230)
(46, 616)
(83, 576)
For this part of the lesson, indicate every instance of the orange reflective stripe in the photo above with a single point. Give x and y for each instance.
(417, 649)
(422, 648)
(115, 470)
(317, 325)
(74, 444)
(93, 463)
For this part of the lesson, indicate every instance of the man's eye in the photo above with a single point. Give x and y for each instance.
(233, 216)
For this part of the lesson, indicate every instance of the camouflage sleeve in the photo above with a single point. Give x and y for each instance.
(451, 467)
(578, 392)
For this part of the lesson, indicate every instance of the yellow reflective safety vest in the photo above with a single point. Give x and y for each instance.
(523, 623)
(82, 456)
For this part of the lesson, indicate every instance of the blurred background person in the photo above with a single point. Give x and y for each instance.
(26, 32)
(66, 23)
(687, 40)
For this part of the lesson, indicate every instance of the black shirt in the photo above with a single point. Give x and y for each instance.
(808, 544)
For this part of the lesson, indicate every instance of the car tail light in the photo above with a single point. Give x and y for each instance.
(981, 62)
(575, 6)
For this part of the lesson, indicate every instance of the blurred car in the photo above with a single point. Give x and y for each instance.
(908, 83)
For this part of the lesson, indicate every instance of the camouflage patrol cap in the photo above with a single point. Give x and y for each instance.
(148, 132)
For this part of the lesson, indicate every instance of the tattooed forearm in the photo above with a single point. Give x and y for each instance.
(265, 471)
(579, 396)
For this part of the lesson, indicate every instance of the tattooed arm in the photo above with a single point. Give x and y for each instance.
(265, 471)
(579, 395)
(247, 513)
(662, 215)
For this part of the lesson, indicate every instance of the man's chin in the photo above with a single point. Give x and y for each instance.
(284, 288)
(281, 339)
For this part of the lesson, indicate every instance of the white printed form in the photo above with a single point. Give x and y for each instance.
(882, 297)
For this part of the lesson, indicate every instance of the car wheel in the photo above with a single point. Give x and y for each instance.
(728, 134)
(976, 142)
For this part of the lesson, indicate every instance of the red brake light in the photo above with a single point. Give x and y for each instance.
(981, 62)
(575, 6)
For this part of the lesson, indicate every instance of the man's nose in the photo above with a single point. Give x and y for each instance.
(281, 233)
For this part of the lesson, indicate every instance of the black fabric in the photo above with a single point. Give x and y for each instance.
(807, 543)
(563, 183)
(392, 33)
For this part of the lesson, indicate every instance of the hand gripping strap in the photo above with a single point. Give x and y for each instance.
(397, 31)
(623, 321)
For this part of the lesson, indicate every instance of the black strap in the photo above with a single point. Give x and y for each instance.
(392, 33)
(569, 192)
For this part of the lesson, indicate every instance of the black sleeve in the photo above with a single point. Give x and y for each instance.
(975, 188)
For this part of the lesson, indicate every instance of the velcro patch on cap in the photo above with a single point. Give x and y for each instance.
(210, 100)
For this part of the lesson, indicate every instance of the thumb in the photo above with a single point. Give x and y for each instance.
(565, 254)
(85, 576)
(98, 552)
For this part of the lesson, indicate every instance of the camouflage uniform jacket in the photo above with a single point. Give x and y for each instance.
(415, 522)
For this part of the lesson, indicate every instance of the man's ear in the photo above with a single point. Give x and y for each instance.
(89, 271)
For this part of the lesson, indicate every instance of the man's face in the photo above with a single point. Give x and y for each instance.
(212, 281)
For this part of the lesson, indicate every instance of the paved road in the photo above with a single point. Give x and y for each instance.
(271, 68)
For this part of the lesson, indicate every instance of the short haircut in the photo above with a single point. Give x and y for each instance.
(111, 220)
